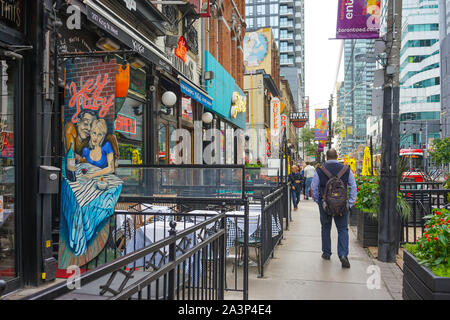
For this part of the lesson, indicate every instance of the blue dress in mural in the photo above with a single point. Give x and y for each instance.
(85, 214)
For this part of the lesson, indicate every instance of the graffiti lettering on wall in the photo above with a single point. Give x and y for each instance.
(81, 98)
(89, 188)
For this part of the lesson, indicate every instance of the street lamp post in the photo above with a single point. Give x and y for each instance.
(388, 218)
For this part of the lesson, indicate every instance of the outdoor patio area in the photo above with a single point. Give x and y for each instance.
(298, 272)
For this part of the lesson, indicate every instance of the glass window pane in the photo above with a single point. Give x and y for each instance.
(172, 146)
(8, 74)
(162, 143)
(129, 131)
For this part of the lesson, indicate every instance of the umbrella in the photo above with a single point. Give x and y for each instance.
(367, 169)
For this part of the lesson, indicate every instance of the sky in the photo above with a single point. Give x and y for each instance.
(321, 54)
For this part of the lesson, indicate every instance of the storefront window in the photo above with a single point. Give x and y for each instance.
(129, 131)
(172, 146)
(222, 142)
(162, 143)
(186, 108)
(8, 72)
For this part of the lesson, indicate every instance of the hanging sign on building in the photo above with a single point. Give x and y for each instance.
(239, 104)
(358, 19)
(12, 14)
(275, 125)
(298, 119)
(89, 188)
(321, 127)
(181, 49)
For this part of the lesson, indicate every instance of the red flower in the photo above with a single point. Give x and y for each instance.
(435, 238)
(438, 213)
(428, 239)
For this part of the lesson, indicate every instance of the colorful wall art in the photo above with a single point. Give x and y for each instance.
(89, 188)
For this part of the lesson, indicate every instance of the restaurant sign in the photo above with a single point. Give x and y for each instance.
(126, 38)
(11, 14)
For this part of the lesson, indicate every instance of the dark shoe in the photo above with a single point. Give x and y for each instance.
(325, 257)
(344, 261)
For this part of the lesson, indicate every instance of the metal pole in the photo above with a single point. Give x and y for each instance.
(330, 118)
(371, 155)
(388, 219)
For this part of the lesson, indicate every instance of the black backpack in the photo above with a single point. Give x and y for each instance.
(335, 196)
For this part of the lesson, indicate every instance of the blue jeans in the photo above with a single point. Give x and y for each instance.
(341, 225)
(307, 185)
(295, 197)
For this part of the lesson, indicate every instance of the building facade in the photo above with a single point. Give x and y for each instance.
(135, 73)
(355, 96)
(262, 87)
(444, 39)
(286, 18)
(420, 75)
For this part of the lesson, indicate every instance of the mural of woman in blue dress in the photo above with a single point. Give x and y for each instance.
(99, 154)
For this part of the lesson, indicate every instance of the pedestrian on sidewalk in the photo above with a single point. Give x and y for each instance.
(296, 180)
(333, 167)
(309, 174)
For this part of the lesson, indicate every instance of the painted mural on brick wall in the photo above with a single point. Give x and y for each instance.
(89, 187)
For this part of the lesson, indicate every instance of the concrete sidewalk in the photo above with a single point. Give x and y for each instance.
(297, 270)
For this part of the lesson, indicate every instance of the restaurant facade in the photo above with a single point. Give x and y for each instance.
(136, 82)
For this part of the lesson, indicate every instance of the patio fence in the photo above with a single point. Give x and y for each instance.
(182, 232)
(188, 273)
(422, 198)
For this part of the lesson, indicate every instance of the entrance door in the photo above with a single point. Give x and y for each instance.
(10, 86)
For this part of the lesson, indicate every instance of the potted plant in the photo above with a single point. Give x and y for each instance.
(368, 203)
(426, 267)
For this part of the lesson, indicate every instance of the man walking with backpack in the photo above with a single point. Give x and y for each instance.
(329, 190)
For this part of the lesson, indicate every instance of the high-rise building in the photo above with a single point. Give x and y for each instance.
(420, 85)
(355, 95)
(444, 30)
(286, 18)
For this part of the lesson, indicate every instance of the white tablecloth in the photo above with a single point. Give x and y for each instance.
(153, 232)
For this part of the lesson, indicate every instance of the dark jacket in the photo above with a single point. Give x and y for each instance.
(297, 176)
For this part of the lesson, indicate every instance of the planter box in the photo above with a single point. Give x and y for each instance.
(353, 216)
(367, 230)
(419, 283)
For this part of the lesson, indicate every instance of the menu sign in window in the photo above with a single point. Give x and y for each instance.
(11, 14)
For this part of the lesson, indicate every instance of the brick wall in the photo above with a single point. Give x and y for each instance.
(224, 43)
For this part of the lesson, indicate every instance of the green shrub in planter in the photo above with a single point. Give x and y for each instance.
(432, 248)
(368, 202)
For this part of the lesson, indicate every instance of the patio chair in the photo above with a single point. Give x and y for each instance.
(254, 240)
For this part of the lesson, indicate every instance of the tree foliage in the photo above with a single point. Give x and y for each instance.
(307, 135)
(441, 153)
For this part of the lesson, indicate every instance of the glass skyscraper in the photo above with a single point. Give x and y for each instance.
(286, 18)
(355, 95)
(420, 85)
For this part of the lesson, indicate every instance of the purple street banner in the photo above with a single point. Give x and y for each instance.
(321, 128)
(358, 19)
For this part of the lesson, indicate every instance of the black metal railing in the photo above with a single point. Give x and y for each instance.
(188, 272)
(421, 202)
(420, 185)
(271, 225)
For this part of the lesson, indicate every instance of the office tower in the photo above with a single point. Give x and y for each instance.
(286, 18)
(355, 95)
(444, 31)
(420, 87)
